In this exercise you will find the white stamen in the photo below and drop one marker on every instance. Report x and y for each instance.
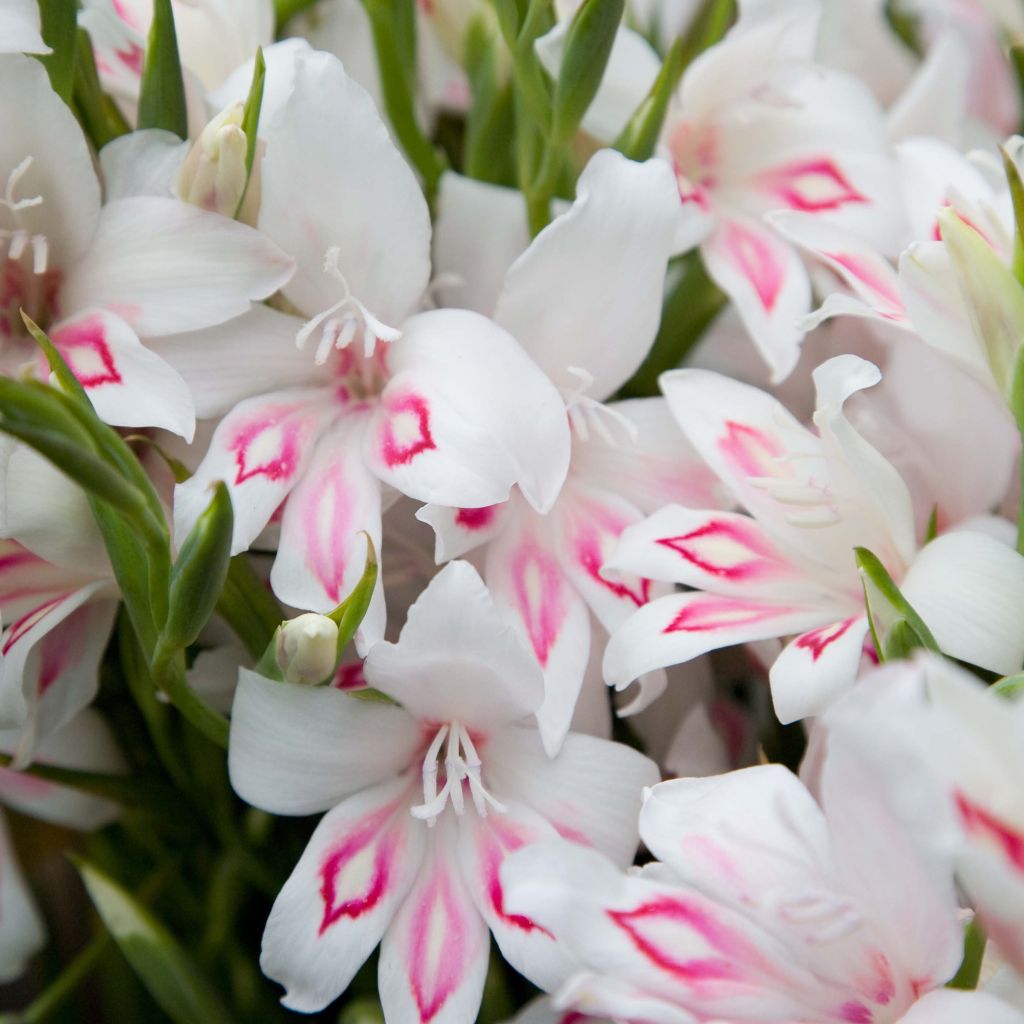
(19, 239)
(461, 764)
(40, 254)
(15, 205)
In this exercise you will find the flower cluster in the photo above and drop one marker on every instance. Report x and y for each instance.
(453, 419)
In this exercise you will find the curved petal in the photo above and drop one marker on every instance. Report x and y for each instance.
(20, 28)
(22, 932)
(300, 749)
(343, 895)
(466, 415)
(969, 589)
(332, 178)
(587, 293)
(322, 552)
(142, 163)
(816, 668)
(525, 575)
(260, 450)
(949, 1006)
(165, 267)
(128, 385)
(562, 789)
(458, 658)
(433, 959)
(766, 280)
(458, 530)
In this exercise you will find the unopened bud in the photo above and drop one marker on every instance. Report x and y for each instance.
(307, 648)
(213, 175)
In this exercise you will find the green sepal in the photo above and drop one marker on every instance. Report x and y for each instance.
(969, 971)
(640, 136)
(248, 607)
(285, 10)
(59, 20)
(490, 121)
(588, 44)
(97, 112)
(251, 120)
(353, 609)
(162, 92)
(1013, 179)
(68, 382)
(159, 961)
(1009, 687)
(199, 572)
(896, 628)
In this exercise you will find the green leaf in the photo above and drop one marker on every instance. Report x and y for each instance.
(896, 627)
(163, 966)
(97, 112)
(352, 610)
(1013, 179)
(162, 93)
(490, 122)
(248, 607)
(60, 28)
(199, 571)
(251, 120)
(58, 367)
(588, 44)
(1009, 687)
(969, 971)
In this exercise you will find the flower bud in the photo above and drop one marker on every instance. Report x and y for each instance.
(307, 648)
(213, 175)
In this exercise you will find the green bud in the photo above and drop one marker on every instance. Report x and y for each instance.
(162, 92)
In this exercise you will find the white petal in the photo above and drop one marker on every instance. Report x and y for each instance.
(22, 932)
(322, 551)
(934, 104)
(167, 267)
(20, 28)
(969, 589)
(472, 274)
(766, 280)
(343, 895)
(142, 163)
(678, 627)
(467, 414)
(433, 959)
(587, 293)
(332, 177)
(299, 749)
(260, 450)
(948, 1006)
(128, 385)
(458, 530)
(565, 789)
(458, 657)
(817, 667)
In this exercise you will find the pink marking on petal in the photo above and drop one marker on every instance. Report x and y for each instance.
(399, 453)
(812, 186)
(642, 924)
(855, 1013)
(593, 533)
(818, 639)
(132, 58)
(538, 583)
(54, 651)
(980, 823)
(476, 518)
(756, 260)
(861, 268)
(689, 546)
(17, 559)
(283, 462)
(750, 450)
(349, 677)
(84, 347)
(436, 974)
(720, 613)
(21, 626)
(327, 523)
(502, 839)
(361, 835)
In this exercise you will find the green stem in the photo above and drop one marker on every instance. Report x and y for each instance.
(168, 670)
(284, 10)
(248, 607)
(969, 972)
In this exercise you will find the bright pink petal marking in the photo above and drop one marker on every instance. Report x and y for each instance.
(812, 186)
(750, 450)
(476, 518)
(399, 453)
(362, 834)
(21, 626)
(689, 546)
(131, 58)
(855, 1013)
(54, 652)
(84, 347)
(594, 532)
(327, 521)
(719, 613)
(538, 583)
(436, 973)
(979, 822)
(349, 677)
(645, 926)
(283, 462)
(869, 276)
(818, 639)
(756, 261)
(501, 839)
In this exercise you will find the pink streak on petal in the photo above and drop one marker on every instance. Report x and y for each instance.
(818, 639)
(980, 823)
(734, 949)
(863, 271)
(855, 1013)
(707, 616)
(327, 523)
(349, 677)
(594, 529)
(756, 260)
(21, 626)
(361, 835)
(750, 450)
(397, 453)
(284, 462)
(131, 58)
(436, 978)
(88, 336)
(543, 612)
(476, 518)
(498, 840)
(813, 186)
(689, 547)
